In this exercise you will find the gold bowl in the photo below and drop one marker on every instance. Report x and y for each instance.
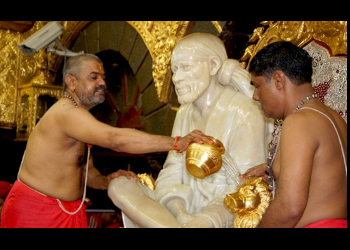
(204, 159)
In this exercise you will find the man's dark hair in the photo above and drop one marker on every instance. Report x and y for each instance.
(295, 62)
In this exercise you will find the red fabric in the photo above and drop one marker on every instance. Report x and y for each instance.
(5, 188)
(329, 223)
(26, 208)
(94, 220)
(115, 225)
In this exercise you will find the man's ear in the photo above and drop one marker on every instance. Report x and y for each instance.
(278, 78)
(70, 81)
(215, 65)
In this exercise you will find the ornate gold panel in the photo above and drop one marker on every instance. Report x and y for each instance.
(8, 77)
(332, 33)
(30, 109)
(160, 38)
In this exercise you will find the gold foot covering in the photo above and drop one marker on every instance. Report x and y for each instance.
(249, 203)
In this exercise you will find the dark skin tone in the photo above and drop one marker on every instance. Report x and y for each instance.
(309, 166)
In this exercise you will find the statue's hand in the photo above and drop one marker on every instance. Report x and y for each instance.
(183, 218)
(199, 222)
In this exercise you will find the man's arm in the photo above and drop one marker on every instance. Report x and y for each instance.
(293, 168)
(81, 125)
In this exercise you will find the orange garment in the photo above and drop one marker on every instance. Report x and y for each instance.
(26, 208)
(329, 223)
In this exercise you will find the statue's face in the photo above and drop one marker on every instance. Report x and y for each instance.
(191, 73)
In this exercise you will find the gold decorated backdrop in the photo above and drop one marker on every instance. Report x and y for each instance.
(9, 74)
(28, 78)
(332, 33)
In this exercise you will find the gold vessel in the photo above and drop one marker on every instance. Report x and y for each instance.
(204, 159)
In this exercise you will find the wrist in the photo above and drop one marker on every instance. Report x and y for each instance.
(176, 207)
(175, 144)
(104, 183)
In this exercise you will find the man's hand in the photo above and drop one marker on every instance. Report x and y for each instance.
(257, 171)
(194, 136)
(120, 172)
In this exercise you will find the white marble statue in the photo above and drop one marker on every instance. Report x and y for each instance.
(216, 97)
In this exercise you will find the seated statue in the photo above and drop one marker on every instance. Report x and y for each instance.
(216, 97)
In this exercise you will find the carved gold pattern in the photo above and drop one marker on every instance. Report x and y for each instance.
(33, 91)
(249, 203)
(147, 180)
(332, 33)
(8, 77)
(160, 38)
